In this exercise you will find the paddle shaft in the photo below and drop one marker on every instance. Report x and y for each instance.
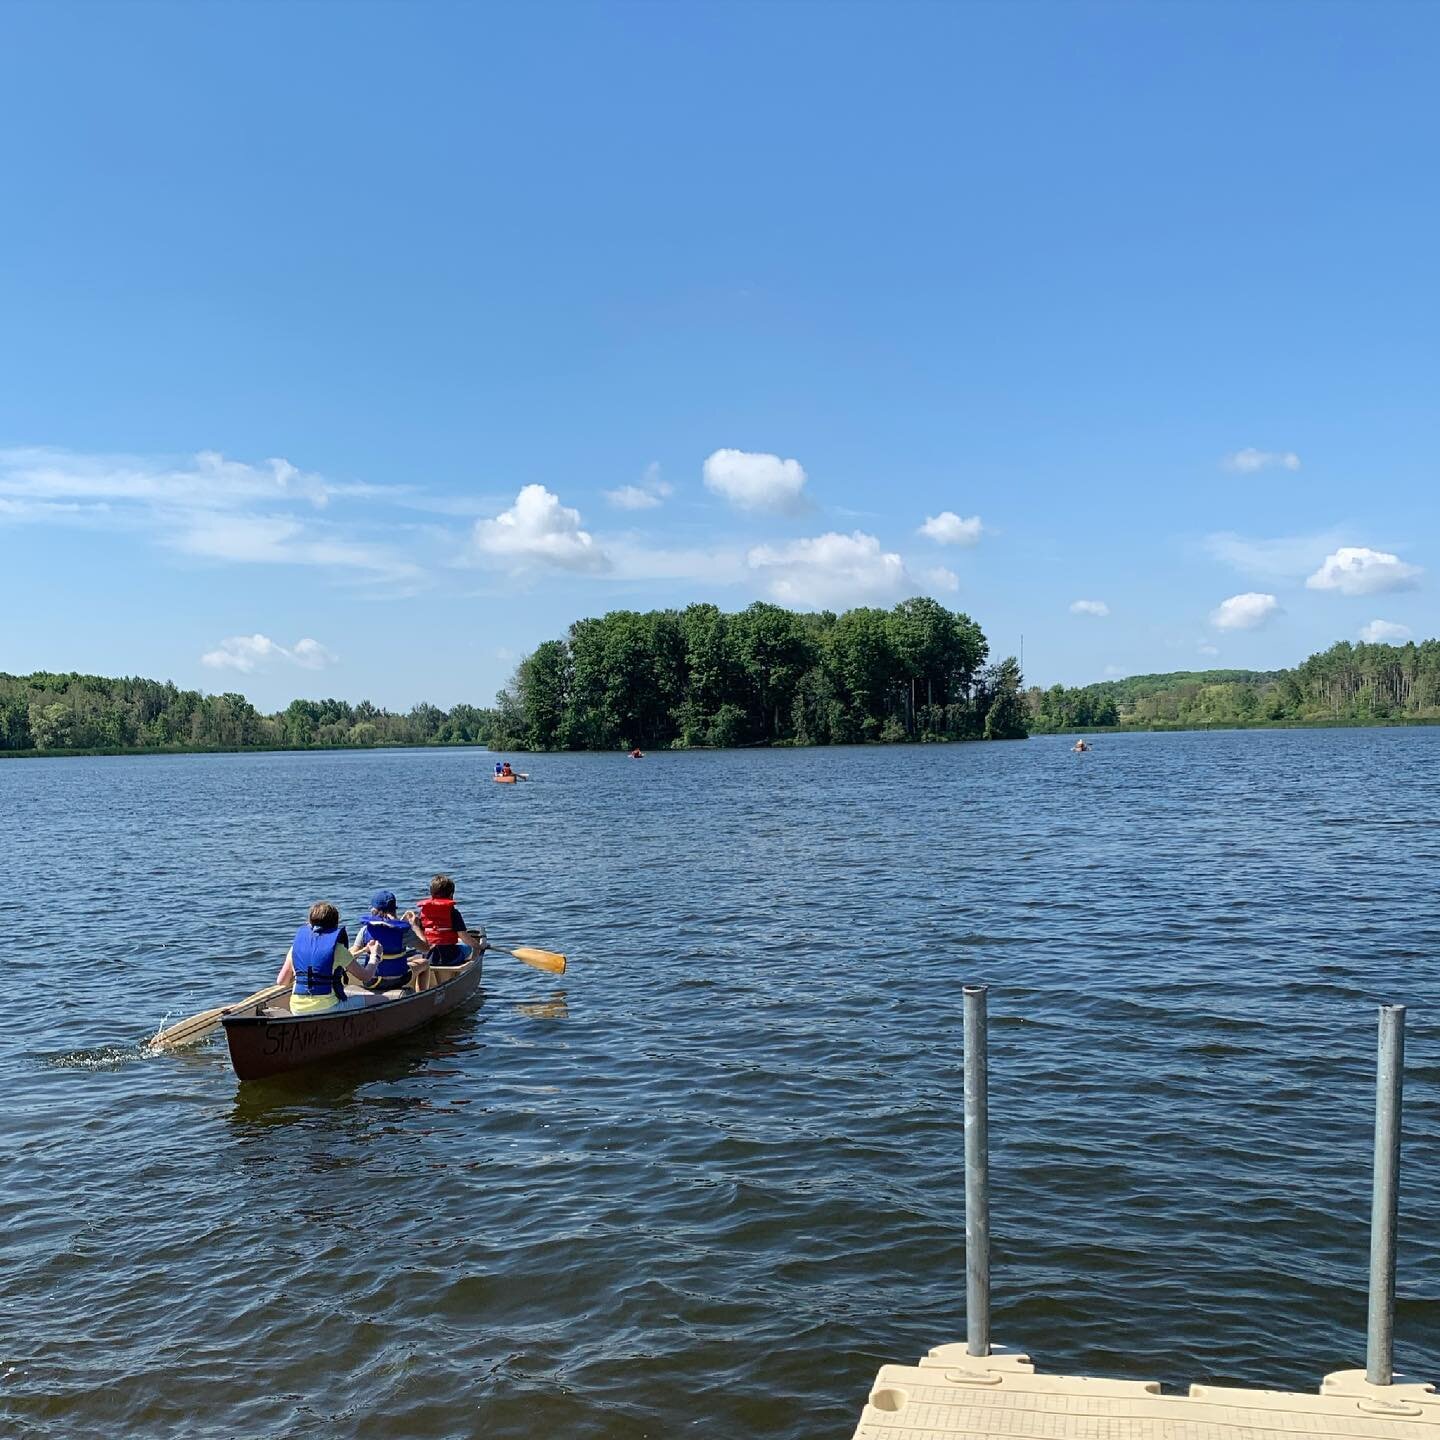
(185, 1032)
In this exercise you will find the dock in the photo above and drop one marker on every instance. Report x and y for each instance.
(979, 1391)
(1001, 1396)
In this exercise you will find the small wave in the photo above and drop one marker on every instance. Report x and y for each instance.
(101, 1057)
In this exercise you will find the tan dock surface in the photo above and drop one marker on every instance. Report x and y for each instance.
(1000, 1397)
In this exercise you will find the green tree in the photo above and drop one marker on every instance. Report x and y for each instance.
(1005, 715)
(542, 691)
(774, 651)
(14, 723)
(50, 725)
(867, 670)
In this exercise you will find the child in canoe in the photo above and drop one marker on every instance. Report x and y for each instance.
(444, 928)
(387, 937)
(318, 959)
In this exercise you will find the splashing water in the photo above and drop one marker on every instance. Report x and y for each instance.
(101, 1057)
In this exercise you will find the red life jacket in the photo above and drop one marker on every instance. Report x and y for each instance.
(435, 920)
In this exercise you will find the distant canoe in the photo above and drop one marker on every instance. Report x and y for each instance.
(504, 779)
(269, 1040)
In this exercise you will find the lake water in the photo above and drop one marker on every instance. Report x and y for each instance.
(711, 1179)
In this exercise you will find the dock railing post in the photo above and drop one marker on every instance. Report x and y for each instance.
(1384, 1207)
(977, 1175)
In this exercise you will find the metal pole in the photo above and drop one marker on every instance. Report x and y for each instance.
(1384, 1207)
(977, 1175)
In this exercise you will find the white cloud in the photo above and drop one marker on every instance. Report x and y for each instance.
(829, 569)
(1283, 558)
(1244, 612)
(939, 578)
(206, 481)
(756, 482)
(537, 527)
(1358, 570)
(1089, 607)
(947, 528)
(1380, 632)
(312, 655)
(1249, 460)
(205, 506)
(248, 653)
(249, 538)
(636, 559)
(632, 497)
(650, 492)
(283, 540)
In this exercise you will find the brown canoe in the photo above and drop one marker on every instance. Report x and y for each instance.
(269, 1040)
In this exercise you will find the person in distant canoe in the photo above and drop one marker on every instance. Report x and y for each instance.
(1080, 745)
(506, 770)
(318, 959)
(637, 754)
(445, 932)
(387, 938)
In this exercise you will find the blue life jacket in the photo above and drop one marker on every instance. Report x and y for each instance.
(392, 935)
(314, 954)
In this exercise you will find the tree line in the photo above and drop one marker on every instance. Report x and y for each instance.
(1346, 684)
(90, 712)
(762, 676)
(698, 676)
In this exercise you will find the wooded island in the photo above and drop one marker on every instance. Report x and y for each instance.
(764, 676)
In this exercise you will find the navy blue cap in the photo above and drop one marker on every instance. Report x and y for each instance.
(383, 900)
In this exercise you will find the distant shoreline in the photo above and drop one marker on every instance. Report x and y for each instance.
(1155, 727)
(1179, 726)
(33, 754)
(121, 750)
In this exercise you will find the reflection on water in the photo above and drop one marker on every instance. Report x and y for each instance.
(365, 1081)
(715, 1179)
(554, 1008)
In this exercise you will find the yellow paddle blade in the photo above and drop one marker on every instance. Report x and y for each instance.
(550, 961)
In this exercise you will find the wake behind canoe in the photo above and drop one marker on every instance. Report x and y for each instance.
(268, 1040)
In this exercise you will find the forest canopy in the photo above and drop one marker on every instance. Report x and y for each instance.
(763, 676)
(89, 712)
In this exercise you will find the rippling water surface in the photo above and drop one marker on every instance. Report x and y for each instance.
(712, 1178)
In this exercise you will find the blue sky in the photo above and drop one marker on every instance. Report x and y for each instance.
(354, 349)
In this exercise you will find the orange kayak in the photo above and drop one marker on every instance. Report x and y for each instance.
(504, 779)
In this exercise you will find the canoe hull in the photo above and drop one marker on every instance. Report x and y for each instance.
(267, 1044)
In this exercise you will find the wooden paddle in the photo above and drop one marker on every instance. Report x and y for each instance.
(552, 962)
(187, 1032)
